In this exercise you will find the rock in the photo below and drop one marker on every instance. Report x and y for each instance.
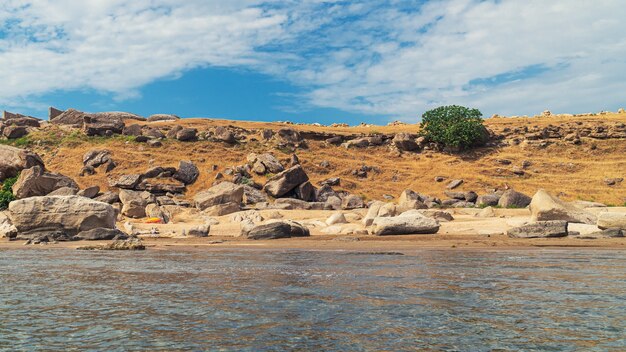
(405, 142)
(100, 125)
(487, 212)
(162, 117)
(64, 191)
(187, 172)
(352, 202)
(132, 130)
(294, 160)
(608, 233)
(440, 178)
(540, 229)
(265, 163)
(53, 112)
(117, 115)
(333, 181)
(336, 218)
(404, 225)
(544, 207)
(89, 192)
(267, 134)
(37, 182)
(372, 213)
(7, 230)
(225, 192)
(336, 140)
(134, 205)
(291, 203)
(222, 134)
(275, 230)
(488, 200)
(454, 184)
(101, 234)
(613, 181)
(96, 158)
(252, 195)
(154, 143)
(67, 214)
(199, 231)
(187, 135)
(70, 117)
(471, 196)
(222, 209)
(132, 244)
(607, 220)
(306, 192)
(127, 181)
(333, 202)
(284, 182)
(13, 160)
(290, 136)
(152, 133)
(108, 197)
(410, 200)
(325, 192)
(455, 195)
(14, 132)
(513, 199)
(438, 215)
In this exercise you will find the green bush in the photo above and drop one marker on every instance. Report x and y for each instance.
(6, 193)
(454, 127)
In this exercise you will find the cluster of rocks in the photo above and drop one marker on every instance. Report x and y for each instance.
(13, 126)
(568, 132)
(552, 217)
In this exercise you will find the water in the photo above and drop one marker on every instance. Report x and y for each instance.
(245, 300)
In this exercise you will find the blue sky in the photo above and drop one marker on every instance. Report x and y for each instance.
(312, 60)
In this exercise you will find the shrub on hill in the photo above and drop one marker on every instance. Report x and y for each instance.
(454, 127)
(6, 193)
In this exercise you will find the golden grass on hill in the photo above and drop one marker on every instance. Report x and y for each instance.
(570, 171)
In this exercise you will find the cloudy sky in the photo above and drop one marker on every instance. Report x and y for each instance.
(312, 60)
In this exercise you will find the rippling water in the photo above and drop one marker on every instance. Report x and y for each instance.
(68, 300)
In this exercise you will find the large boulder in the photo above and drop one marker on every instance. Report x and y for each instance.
(306, 192)
(540, 229)
(275, 230)
(67, 214)
(13, 160)
(37, 182)
(487, 200)
(187, 135)
(225, 192)
(545, 207)
(352, 202)
(102, 125)
(223, 134)
(14, 132)
(133, 204)
(607, 220)
(284, 182)
(514, 199)
(187, 172)
(407, 223)
(70, 117)
(410, 200)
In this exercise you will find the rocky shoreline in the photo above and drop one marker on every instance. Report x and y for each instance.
(51, 207)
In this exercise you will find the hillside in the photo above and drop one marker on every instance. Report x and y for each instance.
(570, 156)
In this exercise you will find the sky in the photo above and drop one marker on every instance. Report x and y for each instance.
(312, 60)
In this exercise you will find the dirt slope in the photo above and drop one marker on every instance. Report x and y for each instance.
(573, 171)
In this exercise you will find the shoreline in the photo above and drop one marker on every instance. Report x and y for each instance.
(349, 243)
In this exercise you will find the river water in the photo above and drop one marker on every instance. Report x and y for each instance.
(254, 300)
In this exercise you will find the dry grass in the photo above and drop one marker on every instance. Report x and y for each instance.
(573, 172)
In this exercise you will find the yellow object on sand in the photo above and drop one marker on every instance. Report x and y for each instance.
(153, 221)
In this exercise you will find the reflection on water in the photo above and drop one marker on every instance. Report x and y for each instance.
(69, 300)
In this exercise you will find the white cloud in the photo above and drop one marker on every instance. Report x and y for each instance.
(374, 57)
